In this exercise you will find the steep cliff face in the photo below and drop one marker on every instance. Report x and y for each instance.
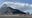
(18, 12)
(14, 11)
(9, 10)
(4, 8)
(11, 5)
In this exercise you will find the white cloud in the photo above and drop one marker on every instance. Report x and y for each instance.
(26, 4)
(17, 5)
(31, 5)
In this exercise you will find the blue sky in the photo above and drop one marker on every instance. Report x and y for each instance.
(23, 1)
(1, 1)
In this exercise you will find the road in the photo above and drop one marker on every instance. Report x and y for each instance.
(15, 16)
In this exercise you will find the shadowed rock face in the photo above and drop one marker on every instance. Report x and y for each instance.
(18, 12)
(14, 11)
